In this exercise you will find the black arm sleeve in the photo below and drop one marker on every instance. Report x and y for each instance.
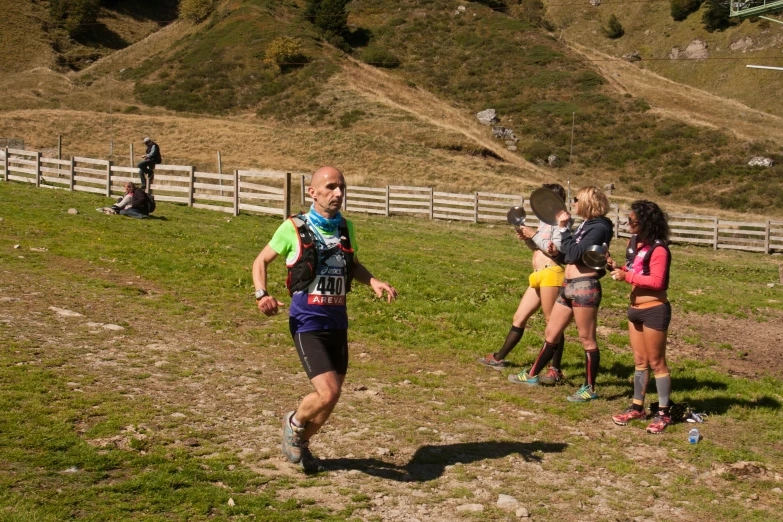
(594, 234)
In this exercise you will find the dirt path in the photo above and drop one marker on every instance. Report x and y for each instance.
(393, 442)
(684, 103)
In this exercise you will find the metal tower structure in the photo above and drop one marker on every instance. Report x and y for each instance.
(746, 8)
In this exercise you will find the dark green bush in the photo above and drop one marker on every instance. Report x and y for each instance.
(329, 16)
(680, 9)
(75, 16)
(716, 16)
(614, 29)
(537, 151)
(379, 57)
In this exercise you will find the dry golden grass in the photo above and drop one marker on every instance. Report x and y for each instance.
(649, 29)
(22, 42)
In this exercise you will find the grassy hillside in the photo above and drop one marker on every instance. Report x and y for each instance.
(449, 64)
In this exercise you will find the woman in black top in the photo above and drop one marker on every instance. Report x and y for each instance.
(580, 295)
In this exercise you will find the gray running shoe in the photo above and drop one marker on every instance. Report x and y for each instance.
(309, 463)
(490, 361)
(292, 439)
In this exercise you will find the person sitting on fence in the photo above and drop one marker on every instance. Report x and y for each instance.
(147, 165)
(135, 203)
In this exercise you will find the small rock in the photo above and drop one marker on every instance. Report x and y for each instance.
(2, 219)
(644, 484)
(632, 57)
(383, 452)
(73, 211)
(761, 161)
(62, 312)
(595, 3)
(439, 373)
(754, 496)
(72, 469)
(461, 9)
(512, 148)
(113, 327)
(267, 413)
(504, 133)
(777, 490)
(231, 467)
(488, 117)
(191, 442)
(522, 513)
(178, 415)
(473, 508)
(507, 502)
(17, 247)
(231, 502)
(770, 285)
(406, 382)
(552, 160)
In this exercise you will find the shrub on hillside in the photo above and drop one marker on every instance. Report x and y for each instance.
(196, 10)
(680, 9)
(74, 15)
(329, 16)
(614, 29)
(716, 16)
(537, 152)
(284, 52)
(379, 57)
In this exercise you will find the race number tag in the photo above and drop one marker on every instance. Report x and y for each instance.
(328, 287)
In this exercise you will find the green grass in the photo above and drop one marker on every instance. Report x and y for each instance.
(459, 286)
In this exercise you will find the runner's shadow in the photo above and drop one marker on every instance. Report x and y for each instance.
(429, 462)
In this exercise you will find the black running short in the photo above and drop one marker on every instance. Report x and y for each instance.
(655, 317)
(322, 351)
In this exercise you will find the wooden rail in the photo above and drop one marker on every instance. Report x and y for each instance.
(269, 192)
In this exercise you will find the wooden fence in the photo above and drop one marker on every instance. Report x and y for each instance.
(270, 192)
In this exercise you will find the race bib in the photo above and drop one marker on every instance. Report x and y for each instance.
(328, 287)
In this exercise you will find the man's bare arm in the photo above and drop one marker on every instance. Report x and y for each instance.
(362, 275)
(268, 304)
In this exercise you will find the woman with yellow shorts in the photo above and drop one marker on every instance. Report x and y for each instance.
(545, 283)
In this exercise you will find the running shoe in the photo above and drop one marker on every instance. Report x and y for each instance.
(659, 423)
(552, 376)
(523, 378)
(309, 463)
(292, 439)
(628, 415)
(583, 394)
(490, 361)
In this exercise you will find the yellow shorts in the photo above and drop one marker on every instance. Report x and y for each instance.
(552, 275)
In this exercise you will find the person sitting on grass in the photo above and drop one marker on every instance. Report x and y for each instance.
(135, 203)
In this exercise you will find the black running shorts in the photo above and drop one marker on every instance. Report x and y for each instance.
(655, 317)
(323, 351)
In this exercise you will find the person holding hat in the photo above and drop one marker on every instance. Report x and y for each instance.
(147, 165)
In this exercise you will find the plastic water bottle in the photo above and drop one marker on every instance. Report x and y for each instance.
(693, 436)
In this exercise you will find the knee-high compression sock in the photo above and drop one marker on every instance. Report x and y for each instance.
(557, 357)
(544, 356)
(640, 378)
(592, 361)
(664, 384)
(512, 339)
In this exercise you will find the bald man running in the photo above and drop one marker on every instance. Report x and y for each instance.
(320, 251)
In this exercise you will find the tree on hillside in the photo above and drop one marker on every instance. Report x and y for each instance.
(196, 10)
(496, 5)
(680, 9)
(614, 29)
(74, 15)
(329, 16)
(716, 16)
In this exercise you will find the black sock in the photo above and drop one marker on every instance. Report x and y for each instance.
(592, 361)
(637, 407)
(512, 339)
(544, 356)
(558, 355)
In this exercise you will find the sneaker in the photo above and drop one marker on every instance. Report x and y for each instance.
(292, 439)
(628, 415)
(659, 423)
(583, 394)
(523, 378)
(309, 463)
(552, 376)
(490, 361)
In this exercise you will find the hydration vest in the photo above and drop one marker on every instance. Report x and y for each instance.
(633, 251)
(302, 271)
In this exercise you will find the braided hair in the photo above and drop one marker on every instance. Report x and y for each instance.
(653, 222)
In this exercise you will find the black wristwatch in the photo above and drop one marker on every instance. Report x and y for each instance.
(260, 294)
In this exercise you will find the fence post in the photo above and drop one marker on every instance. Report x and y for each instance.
(108, 179)
(715, 234)
(287, 196)
(236, 192)
(345, 199)
(617, 222)
(432, 204)
(302, 188)
(59, 146)
(387, 200)
(131, 155)
(38, 169)
(5, 165)
(475, 207)
(191, 181)
(220, 171)
(72, 167)
(766, 237)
